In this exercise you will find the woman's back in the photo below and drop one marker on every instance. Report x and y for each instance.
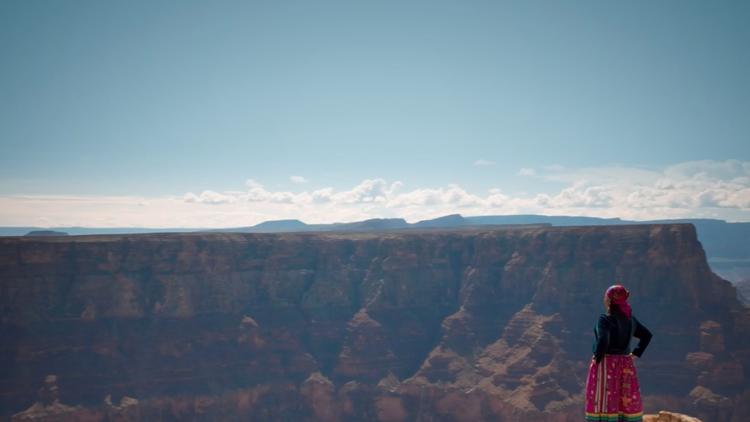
(612, 388)
(613, 333)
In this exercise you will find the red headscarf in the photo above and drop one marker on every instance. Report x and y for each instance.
(618, 298)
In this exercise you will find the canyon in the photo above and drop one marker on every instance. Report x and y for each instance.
(478, 324)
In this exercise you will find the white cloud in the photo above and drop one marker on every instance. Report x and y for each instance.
(483, 163)
(251, 183)
(715, 189)
(370, 190)
(682, 189)
(524, 171)
(210, 197)
(297, 179)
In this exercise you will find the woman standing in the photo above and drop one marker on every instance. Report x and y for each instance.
(612, 391)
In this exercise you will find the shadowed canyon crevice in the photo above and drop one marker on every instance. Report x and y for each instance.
(465, 325)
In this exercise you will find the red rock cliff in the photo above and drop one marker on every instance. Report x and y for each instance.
(435, 325)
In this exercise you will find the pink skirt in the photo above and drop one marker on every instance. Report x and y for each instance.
(612, 391)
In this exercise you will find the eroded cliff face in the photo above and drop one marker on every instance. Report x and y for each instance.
(402, 326)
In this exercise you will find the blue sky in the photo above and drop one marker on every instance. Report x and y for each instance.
(199, 103)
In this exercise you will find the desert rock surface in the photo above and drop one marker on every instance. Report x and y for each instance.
(472, 325)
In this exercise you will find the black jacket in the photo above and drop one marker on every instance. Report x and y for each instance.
(613, 333)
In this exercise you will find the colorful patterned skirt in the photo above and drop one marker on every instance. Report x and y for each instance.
(612, 391)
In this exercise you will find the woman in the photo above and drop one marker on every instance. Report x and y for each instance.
(612, 391)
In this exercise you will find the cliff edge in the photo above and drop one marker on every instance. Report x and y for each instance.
(485, 324)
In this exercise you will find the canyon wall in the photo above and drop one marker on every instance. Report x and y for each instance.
(463, 325)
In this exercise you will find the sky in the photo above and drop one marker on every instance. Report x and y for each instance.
(229, 113)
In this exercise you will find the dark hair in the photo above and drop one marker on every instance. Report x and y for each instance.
(614, 310)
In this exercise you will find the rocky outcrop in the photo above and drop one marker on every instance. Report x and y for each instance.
(48, 407)
(743, 291)
(482, 324)
(669, 417)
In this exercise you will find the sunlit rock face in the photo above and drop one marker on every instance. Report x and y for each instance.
(664, 416)
(463, 325)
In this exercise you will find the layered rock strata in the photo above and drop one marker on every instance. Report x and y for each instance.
(492, 324)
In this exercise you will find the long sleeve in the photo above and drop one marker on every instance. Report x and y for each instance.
(643, 335)
(602, 338)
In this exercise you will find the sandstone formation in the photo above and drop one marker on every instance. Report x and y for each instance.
(471, 325)
(669, 417)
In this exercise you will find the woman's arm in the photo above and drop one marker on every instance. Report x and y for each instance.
(644, 337)
(602, 338)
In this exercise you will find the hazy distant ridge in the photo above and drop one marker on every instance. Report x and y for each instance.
(725, 243)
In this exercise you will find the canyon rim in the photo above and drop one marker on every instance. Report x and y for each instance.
(472, 324)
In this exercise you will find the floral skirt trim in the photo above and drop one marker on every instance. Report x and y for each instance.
(612, 391)
(614, 417)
